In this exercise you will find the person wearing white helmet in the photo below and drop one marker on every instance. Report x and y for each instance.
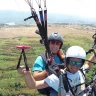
(75, 59)
(75, 53)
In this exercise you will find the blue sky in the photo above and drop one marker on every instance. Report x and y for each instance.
(86, 8)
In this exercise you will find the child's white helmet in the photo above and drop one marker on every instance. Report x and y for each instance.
(76, 52)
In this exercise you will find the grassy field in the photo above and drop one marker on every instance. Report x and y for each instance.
(11, 83)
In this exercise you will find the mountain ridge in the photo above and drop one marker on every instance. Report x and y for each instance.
(18, 17)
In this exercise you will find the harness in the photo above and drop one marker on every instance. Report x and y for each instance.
(51, 66)
(67, 85)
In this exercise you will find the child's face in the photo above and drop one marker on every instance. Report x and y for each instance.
(74, 64)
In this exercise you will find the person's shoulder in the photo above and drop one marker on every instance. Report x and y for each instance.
(43, 53)
(43, 56)
(83, 67)
(39, 57)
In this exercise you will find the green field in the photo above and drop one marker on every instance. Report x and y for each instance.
(11, 83)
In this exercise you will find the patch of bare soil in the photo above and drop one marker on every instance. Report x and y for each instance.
(11, 32)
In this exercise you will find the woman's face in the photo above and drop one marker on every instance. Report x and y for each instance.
(74, 64)
(54, 46)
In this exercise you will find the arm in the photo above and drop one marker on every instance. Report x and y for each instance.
(39, 72)
(39, 75)
(30, 81)
(89, 64)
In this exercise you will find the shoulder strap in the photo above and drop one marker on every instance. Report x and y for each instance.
(43, 55)
(69, 85)
(65, 83)
(51, 67)
(82, 73)
(60, 55)
(81, 70)
(81, 83)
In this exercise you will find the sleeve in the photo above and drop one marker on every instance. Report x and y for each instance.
(52, 81)
(38, 64)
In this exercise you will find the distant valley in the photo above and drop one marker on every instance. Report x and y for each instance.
(16, 17)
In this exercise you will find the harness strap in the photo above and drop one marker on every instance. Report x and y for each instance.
(65, 83)
(77, 86)
(82, 73)
(69, 85)
(81, 83)
(52, 66)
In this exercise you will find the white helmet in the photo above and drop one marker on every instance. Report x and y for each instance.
(76, 52)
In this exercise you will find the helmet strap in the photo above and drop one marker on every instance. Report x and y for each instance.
(67, 69)
(67, 63)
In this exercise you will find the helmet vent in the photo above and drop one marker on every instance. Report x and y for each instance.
(55, 35)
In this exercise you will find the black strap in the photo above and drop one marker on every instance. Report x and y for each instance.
(51, 67)
(76, 85)
(65, 83)
(82, 73)
(94, 89)
(61, 66)
(68, 84)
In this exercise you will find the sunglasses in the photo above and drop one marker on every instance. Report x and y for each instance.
(55, 42)
(78, 64)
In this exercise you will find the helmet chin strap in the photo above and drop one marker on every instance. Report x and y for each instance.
(67, 68)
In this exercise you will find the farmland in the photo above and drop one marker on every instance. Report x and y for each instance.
(12, 83)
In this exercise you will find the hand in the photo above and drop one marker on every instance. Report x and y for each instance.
(22, 70)
(62, 70)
